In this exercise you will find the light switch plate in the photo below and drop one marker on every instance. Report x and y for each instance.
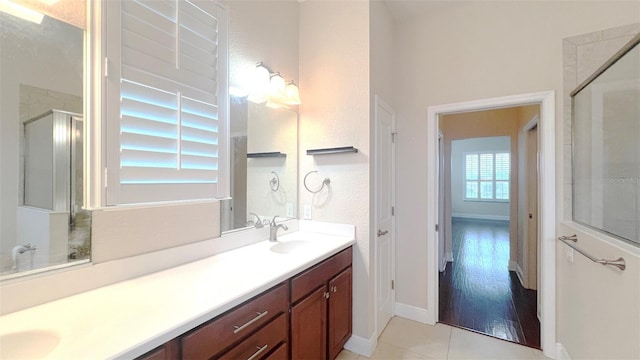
(289, 210)
(307, 212)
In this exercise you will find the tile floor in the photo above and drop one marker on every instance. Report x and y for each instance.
(407, 339)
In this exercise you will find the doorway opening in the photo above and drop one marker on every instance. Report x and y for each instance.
(545, 254)
(479, 288)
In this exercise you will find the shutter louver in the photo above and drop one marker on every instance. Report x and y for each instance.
(171, 84)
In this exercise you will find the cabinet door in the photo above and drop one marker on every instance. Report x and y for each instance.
(168, 351)
(309, 327)
(340, 296)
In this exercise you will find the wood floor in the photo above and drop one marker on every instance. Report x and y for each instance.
(478, 292)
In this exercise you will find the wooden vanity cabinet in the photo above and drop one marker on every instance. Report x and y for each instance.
(306, 317)
(321, 311)
(168, 351)
(257, 327)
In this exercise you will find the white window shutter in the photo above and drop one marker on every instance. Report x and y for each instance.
(167, 101)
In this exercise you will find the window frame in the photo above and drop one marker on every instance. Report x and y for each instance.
(479, 181)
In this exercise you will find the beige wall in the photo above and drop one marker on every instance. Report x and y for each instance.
(334, 83)
(466, 51)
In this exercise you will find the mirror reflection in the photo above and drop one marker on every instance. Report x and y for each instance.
(41, 184)
(264, 160)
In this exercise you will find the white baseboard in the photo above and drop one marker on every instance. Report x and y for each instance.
(414, 313)
(512, 265)
(362, 346)
(561, 352)
(449, 256)
(443, 264)
(520, 274)
(480, 216)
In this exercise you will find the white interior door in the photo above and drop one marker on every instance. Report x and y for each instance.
(531, 271)
(442, 229)
(384, 202)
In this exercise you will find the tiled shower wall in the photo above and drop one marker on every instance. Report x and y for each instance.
(582, 56)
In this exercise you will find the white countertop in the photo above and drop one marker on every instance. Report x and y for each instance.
(127, 319)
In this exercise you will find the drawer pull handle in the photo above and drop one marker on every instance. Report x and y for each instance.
(242, 327)
(260, 350)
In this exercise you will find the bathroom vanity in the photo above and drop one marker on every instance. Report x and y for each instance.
(288, 299)
(307, 316)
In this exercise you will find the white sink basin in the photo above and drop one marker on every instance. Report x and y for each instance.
(290, 246)
(30, 344)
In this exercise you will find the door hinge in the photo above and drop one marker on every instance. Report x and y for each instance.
(393, 211)
(106, 67)
(437, 227)
(393, 136)
(393, 285)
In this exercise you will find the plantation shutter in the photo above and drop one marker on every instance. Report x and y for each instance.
(167, 100)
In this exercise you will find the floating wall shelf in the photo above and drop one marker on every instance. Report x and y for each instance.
(266, 155)
(336, 150)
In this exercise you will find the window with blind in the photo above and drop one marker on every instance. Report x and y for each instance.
(487, 176)
(167, 100)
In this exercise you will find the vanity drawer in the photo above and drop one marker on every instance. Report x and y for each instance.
(211, 338)
(318, 275)
(279, 354)
(258, 345)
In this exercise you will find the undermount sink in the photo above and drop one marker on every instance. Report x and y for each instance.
(290, 246)
(30, 344)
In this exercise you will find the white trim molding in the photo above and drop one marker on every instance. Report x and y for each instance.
(362, 346)
(480, 216)
(561, 352)
(520, 274)
(414, 313)
(547, 206)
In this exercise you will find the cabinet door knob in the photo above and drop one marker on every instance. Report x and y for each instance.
(335, 289)
(326, 295)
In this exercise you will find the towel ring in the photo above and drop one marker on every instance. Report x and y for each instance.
(326, 181)
(274, 183)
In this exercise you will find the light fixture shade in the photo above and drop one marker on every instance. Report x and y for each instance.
(277, 89)
(292, 96)
(273, 104)
(20, 11)
(261, 84)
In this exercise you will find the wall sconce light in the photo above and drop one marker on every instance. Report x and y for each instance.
(20, 11)
(292, 94)
(270, 87)
(261, 84)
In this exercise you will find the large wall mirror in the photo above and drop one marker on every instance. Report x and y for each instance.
(42, 221)
(264, 170)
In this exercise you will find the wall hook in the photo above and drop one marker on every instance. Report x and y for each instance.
(326, 181)
(274, 183)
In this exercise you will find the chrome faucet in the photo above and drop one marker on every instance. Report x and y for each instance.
(273, 229)
(258, 223)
